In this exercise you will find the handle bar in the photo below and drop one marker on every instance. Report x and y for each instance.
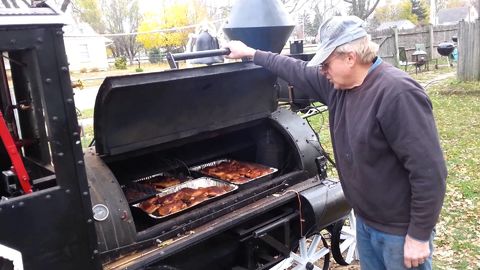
(172, 58)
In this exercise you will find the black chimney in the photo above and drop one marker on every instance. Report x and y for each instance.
(261, 24)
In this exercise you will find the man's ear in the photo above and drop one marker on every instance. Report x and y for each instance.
(351, 59)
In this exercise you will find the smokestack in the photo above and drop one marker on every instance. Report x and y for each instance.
(261, 24)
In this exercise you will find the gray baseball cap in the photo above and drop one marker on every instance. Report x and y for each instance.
(334, 32)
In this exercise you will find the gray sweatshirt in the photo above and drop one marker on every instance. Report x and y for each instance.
(385, 142)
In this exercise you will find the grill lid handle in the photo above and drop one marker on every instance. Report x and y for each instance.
(172, 58)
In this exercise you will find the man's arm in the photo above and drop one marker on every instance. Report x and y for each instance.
(409, 127)
(294, 71)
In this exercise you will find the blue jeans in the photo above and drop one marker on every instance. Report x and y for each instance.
(382, 251)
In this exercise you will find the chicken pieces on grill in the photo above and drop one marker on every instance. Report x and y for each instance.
(235, 171)
(184, 198)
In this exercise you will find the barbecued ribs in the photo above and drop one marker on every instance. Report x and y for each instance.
(177, 201)
(235, 171)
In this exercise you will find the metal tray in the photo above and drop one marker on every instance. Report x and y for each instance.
(217, 162)
(144, 191)
(194, 183)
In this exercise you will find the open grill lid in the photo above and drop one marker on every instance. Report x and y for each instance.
(138, 111)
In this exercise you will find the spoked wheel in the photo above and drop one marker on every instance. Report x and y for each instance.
(343, 242)
(310, 251)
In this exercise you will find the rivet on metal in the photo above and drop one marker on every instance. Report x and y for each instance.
(39, 40)
(13, 41)
(21, 204)
(80, 162)
(75, 133)
(64, 69)
(48, 80)
(67, 191)
(89, 220)
(85, 193)
(77, 142)
(48, 196)
(95, 251)
(69, 100)
(55, 118)
(60, 154)
(59, 33)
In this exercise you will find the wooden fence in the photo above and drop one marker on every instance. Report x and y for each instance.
(430, 36)
(469, 51)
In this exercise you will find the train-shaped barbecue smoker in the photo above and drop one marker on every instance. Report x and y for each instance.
(195, 168)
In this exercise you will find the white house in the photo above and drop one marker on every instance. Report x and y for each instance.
(401, 24)
(86, 50)
(454, 15)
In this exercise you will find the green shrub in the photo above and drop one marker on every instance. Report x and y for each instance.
(83, 70)
(154, 56)
(95, 69)
(121, 62)
(139, 70)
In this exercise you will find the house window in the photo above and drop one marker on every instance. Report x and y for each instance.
(84, 53)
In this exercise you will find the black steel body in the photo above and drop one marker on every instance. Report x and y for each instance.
(53, 226)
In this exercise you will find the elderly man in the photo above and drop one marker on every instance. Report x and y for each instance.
(384, 137)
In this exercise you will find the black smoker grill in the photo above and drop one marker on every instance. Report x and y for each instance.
(78, 216)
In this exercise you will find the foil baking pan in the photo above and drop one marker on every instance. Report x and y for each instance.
(201, 182)
(144, 188)
(267, 176)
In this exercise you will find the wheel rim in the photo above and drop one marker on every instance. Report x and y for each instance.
(309, 252)
(344, 244)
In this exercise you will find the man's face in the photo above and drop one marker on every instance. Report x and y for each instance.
(337, 69)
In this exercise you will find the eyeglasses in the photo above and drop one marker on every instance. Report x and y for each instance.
(325, 65)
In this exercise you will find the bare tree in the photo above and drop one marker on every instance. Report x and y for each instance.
(293, 6)
(362, 8)
(122, 16)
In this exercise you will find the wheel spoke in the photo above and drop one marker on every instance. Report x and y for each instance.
(351, 253)
(314, 245)
(303, 247)
(321, 253)
(298, 259)
(283, 264)
(346, 244)
(348, 231)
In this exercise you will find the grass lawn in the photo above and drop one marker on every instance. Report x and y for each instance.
(457, 112)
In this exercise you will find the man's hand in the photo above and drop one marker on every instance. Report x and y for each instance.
(415, 252)
(239, 50)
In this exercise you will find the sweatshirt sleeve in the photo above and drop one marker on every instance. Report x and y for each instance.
(409, 127)
(296, 73)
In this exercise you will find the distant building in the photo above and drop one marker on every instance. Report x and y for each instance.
(401, 24)
(86, 50)
(454, 15)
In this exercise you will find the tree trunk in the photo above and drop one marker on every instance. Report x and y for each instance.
(65, 5)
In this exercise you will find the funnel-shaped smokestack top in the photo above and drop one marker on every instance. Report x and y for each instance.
(261, 24)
